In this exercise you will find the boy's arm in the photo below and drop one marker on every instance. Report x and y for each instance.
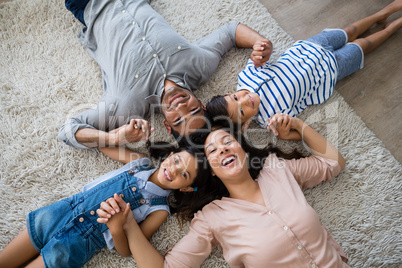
(248, 38)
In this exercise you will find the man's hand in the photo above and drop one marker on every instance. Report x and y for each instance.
(262, 50)
(134, 131)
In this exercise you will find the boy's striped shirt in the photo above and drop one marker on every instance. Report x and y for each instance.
(304, 75)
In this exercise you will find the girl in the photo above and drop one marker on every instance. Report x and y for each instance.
(258, 221)
(67, 234)
(304, 75)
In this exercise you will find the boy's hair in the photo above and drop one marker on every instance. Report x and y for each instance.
(217, 108)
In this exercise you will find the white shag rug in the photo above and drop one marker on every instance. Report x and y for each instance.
(46, 75)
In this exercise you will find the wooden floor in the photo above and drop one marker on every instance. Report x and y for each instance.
(373, 92)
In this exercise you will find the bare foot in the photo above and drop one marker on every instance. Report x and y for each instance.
(394, 26)
(388, 10)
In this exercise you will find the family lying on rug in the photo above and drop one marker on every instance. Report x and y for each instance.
(247, 201)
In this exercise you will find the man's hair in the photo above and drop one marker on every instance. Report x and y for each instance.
(196, 139)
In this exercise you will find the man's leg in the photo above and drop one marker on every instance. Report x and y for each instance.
(77, 7)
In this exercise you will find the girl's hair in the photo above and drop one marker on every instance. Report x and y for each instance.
(185, 204)
(217, 108)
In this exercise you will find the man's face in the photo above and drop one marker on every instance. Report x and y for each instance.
(182, 110)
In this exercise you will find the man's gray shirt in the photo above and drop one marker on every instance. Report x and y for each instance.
(137, 50)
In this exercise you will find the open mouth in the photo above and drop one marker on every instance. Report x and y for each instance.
(228, 161)
(176, 99)
(167, 175)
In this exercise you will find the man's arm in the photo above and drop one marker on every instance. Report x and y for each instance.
(134, 131)
(248, 38)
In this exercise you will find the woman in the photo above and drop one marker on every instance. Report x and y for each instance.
(261, 223)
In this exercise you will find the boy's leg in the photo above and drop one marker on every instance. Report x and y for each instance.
(373, 41)
(358, 28)
(18, 252)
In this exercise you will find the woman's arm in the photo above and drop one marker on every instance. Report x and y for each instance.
(317, 143)
(190, 251)
(110, 214)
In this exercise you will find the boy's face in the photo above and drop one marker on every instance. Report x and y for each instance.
(242, 105)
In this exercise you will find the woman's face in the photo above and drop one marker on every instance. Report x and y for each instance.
(225, 155)
(177, 171)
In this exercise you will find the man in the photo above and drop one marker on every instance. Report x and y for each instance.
(145, 64)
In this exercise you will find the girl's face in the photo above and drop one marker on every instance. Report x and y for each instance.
(225, 155)
(178, 171)
(242, 105)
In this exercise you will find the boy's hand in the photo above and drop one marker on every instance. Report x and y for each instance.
(282, 125)
(262, 51)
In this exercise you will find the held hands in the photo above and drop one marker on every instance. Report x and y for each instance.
(262, 50)
(115, 213)
(134, 131)
(285, 127)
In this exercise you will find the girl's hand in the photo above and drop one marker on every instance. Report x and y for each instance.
(262, 51)
(283, 126)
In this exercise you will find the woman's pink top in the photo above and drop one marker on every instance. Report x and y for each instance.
(286, 232)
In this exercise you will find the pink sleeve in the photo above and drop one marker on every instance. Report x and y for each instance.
(194, 247)
(312, 170)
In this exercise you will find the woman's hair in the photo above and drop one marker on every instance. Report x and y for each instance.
(185, 204)
(217, 108)
(213, 188)
(210, 188)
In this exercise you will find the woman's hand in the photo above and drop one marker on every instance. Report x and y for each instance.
(284, 127)
(109, 212)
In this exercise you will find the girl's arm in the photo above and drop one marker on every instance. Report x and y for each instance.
(121, 154)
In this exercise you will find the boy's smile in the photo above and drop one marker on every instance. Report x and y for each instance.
(242, 105)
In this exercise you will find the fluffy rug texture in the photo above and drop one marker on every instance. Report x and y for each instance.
(46, 76)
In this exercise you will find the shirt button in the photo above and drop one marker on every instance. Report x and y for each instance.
(154, 55)
(164, 75)
(121, 195)
(142, 201)
(92, 212)
(270, 212)
(313, 266)
(143, 39)
(299, 247)
(179, 47)
(133, 22)
(81, 219)
(131, 172)
(136, 76)
(134, 189)
(123, 11)
(285, 228)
